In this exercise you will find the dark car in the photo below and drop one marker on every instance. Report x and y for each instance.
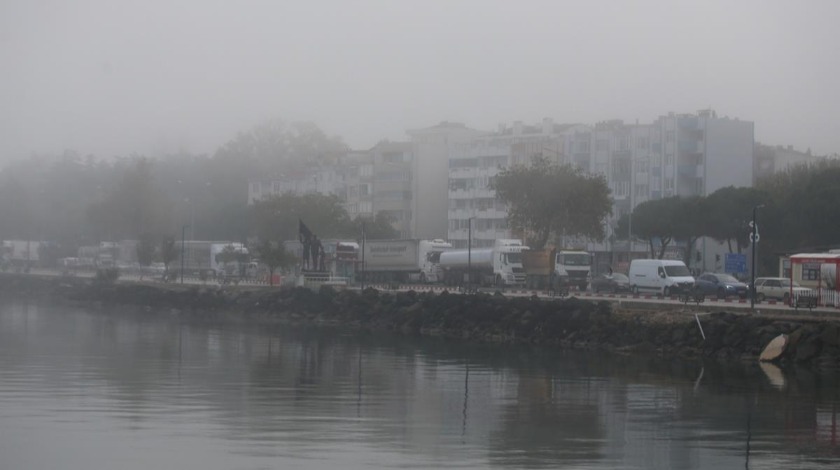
(606, 282)
(721, 285)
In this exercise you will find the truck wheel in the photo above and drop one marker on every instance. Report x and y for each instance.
(634, 290)
(759, 297)
(666, 292)
(498, 280)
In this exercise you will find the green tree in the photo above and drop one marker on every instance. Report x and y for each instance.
(277, 218)
(133, 207)
(379, 228)
(548, 199)
(653, 221)
(800, 211)
(690, 223)
(168, 253)
(274, 256)
(145, 250)
(729, 212)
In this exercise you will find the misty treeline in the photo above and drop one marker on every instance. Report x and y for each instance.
(797, 210)
(73, 200)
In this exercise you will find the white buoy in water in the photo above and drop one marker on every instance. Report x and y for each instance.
(774, 349)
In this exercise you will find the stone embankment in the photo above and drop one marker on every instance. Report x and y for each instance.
(570, 323)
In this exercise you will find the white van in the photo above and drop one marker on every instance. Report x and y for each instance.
(660, 276)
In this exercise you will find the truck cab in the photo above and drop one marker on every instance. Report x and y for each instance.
(507, 261)
(429, 259)
(574, 267)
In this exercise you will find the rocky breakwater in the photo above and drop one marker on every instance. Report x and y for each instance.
(569, 323)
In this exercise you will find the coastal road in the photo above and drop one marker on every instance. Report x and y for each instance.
(622, 300)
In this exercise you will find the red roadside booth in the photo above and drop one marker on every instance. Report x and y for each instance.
(815, 261)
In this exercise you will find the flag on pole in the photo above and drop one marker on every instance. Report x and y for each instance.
(303, 231)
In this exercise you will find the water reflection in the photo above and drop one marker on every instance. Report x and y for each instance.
(81, 389)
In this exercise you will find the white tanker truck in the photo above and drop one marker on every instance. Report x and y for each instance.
(500, 265)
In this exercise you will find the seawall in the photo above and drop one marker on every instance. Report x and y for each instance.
(567, 323)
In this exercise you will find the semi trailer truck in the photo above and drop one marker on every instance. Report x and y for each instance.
(403, 260)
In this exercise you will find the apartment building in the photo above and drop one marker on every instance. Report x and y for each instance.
(473, 165)
(430, 169)
(392, 184)
(770, 159)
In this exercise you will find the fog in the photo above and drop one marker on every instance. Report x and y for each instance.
(155, 77)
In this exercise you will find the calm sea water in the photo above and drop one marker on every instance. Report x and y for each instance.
(90, 389)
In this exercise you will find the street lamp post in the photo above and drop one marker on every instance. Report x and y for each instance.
(754, 237)
(364, 237)
(469, 254)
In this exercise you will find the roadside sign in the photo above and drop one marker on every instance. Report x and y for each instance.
(735, 263)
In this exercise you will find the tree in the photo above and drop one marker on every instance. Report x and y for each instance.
(277, 218)
(379, 228)
(133, 207)
(654, 220)
(168, 253)
(549, 199)
(280, 144)
(690, 222)
(729, 212)
(145, 252)
(274, 256)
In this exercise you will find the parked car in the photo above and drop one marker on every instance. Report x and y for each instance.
(721, 285)
(606, 282)
(778, 288)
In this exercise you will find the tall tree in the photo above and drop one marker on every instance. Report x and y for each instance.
(277, 218)
(379, 228)
(690, 223)
(729, 211)
(548, 199)
(274, 256)
(168, 253)
(654, 221)
(134, 207)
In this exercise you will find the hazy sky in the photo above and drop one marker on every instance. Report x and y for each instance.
(113, 77)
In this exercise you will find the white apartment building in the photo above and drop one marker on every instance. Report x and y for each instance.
(474, 163)
(677, 154)
(430, 170)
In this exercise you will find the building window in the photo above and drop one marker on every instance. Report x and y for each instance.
(669, 184)
(810, 271)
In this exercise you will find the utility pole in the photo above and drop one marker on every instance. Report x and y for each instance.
(469, 254)
(754, 237)
(364, 236)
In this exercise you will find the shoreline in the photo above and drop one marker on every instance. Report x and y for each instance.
(572, 323)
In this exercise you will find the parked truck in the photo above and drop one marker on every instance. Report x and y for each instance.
(403, 260)
(499, 266)
(574, 267)
(539, 269)
(556, 269)
(211, 259)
